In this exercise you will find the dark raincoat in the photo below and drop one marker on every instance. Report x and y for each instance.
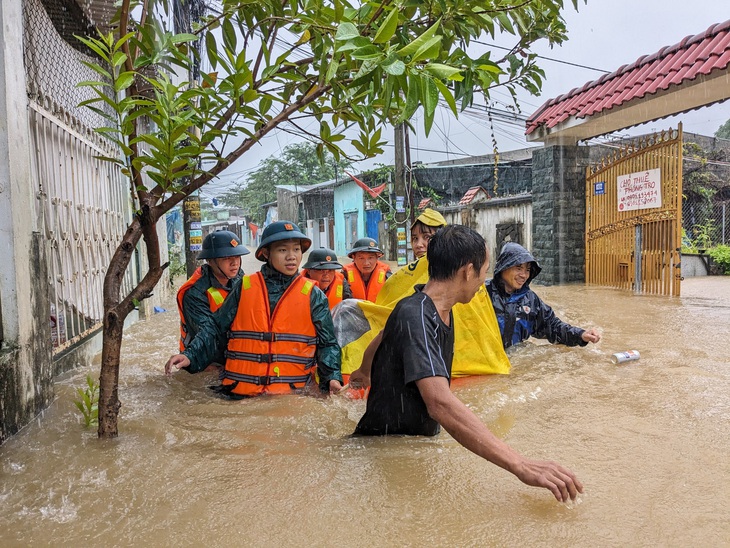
(214, 333)
(196, 307)
(522, 314)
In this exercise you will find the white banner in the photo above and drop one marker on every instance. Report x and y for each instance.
(641, 190)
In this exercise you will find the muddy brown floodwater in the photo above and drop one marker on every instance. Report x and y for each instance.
(649, 439)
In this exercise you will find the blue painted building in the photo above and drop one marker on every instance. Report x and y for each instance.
(355, 217)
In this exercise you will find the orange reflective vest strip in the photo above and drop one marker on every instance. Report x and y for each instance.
(335, 291)
(271, 353)
(370, 291)
(215, 295)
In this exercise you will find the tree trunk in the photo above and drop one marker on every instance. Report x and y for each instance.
(109, 403)
(116, 311)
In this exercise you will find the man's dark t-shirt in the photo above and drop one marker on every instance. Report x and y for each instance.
(416, 344)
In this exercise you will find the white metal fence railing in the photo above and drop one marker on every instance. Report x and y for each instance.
(83, 210)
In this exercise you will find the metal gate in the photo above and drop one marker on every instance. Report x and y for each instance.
(634, 216)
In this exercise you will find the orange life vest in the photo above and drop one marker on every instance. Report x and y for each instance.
(216, 297)
(335, 291)
(370, 291)
(271, 353)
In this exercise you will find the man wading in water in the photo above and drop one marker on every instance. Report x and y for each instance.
(411, 369)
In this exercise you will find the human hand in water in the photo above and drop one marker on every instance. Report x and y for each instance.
(359, 379)
(178, 361)
(335, 386)
(591, 335)
(560, 481)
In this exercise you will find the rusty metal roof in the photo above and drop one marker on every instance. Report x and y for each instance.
(695, 56)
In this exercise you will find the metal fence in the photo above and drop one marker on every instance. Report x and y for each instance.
(83, 204)
(705, 224)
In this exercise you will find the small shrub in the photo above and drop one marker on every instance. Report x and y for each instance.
(88, 402)
(721, 257)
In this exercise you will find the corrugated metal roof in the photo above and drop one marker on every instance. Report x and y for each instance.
(694, 56)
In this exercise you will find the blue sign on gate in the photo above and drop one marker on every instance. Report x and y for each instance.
(599, 188)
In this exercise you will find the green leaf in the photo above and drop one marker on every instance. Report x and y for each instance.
(368, 52)
(412, 97)
(125, 80)
(331, 70)
(183, 37)
(229, 35)
(429, 95)
(387, 29)
(446, 94)
(429, 49)
(395, 68)
(346, 31)
(119, 58)
(212, 47)
(442, 72)
(416, 45)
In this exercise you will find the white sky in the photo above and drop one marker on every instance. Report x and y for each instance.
(604, 34)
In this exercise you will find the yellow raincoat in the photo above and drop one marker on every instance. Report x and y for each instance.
(477, 342)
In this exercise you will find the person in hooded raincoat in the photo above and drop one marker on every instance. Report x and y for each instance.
(521, 314)
(275, 324)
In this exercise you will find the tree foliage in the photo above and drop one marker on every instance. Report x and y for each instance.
(723, 131)
(274, 66)
(298, 164)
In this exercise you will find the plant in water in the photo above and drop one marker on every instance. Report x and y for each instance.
(88, 401)
(721, 256)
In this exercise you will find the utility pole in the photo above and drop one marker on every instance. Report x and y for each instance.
(399, 187)
(184, 13)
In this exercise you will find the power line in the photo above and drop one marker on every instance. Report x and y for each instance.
(544, 57)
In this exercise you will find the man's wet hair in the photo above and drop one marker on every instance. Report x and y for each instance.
(451, 248)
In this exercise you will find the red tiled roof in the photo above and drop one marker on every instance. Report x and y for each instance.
(423, 204)
(471, 194)
(670, 66)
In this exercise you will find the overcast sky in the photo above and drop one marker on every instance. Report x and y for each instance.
(604, 34)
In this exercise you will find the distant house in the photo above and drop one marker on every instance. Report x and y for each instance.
(312, 208)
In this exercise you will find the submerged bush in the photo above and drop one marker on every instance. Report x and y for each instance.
(721, 257)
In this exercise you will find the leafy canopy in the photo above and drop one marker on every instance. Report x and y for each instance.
(274, 64)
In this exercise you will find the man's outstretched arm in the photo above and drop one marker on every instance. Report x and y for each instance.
(466, 428)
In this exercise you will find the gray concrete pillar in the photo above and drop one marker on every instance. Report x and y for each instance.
(558, 212)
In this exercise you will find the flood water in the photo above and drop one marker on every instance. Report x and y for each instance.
(649, 439)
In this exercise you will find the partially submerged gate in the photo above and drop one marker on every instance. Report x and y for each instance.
(634, 216)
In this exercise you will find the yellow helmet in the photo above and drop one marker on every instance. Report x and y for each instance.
(430, 217)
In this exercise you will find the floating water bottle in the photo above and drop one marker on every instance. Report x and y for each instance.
(628, 356)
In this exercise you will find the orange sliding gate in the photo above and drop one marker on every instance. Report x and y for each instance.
(634, 216)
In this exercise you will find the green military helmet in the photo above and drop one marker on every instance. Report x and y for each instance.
(222, 243)
(281, 230)
(365, 244)
(322, 259)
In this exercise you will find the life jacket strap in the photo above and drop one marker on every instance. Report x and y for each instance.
(272, 337)
(265, 380)
(270, 358)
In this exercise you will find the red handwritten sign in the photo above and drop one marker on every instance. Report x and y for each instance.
(641, 190)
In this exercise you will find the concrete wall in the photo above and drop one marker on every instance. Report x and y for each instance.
(26, 369)
(484, 218)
